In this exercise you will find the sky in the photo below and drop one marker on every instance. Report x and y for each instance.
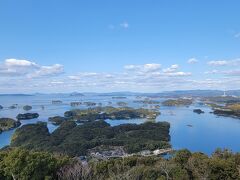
(120, 45)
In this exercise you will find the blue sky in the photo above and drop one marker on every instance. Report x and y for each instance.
(122, 45)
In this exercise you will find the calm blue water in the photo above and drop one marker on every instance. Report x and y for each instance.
(207, 133)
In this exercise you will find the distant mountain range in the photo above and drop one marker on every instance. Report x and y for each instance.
(16, 95)
(180, 93)
(198, 93)
(76, 94)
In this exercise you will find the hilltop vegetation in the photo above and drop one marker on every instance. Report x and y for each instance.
(28, 165)
(183, 165)
(77, 140)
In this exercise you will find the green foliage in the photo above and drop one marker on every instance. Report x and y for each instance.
(181, 157)
(223, 169)
(24, 164)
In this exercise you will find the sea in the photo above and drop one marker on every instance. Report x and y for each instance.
(197, 132)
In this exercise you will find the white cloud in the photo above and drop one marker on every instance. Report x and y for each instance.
(212, 72)
(233, 62)
(143, 68)
(57, 82)
(178, 74)
(217, 63)
(133, 77)
(151, 67)
(192, 61)
(232, 72)
(18, 68)
(53, 70)
(19, 63)
(171, 69)
(124, 25)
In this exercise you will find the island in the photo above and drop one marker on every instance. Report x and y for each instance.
(1, 107)
(221, 99)
(8, 124)
(56, 102)
(146, 101)
(177, 102)
(27, 116)
(119, 97)
(122, 103)
(27, 108)
(76, 140)
(90, 103)
(73, 104)
(14, 106)
(231, 110)
(198, 111)
(109, 112)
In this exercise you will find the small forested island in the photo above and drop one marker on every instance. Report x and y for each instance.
(122, 103)
(57, 120)
(119, 97)
(198, 111)
(177, 102)
(73, 104)
(110, 112)
(76, 140)
(14, 106)
(27, 108)
(90, 103)
(27, 116)
(8, 123)
(56, 102)
(1, 107)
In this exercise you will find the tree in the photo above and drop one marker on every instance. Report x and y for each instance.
(24, 164)
(181, 157)
(75, 170)
(166, 167)
(198, 163)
